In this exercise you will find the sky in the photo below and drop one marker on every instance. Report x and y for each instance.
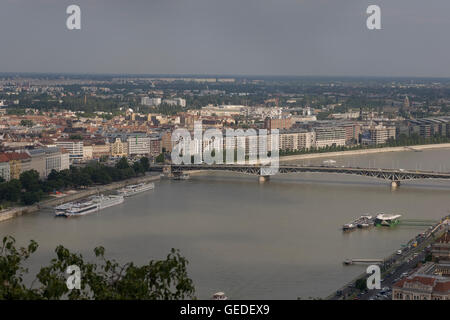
(229, 37)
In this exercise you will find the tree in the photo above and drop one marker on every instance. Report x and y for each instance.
(29, 198)
(30, 180)
(160, 158)
(26, 123)
(361, 284)
(122, 163)
(164, 279)
(145, 163)
(11, 190)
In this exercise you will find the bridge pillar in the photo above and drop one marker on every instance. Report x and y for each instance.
(395, 184)
(263, 179)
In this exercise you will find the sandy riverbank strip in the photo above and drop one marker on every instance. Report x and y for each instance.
(363, 151)
(18, 211)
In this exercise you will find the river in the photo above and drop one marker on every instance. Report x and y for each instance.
(276, 240)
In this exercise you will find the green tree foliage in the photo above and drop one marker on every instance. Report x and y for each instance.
(26, 123)
(122, 163)
(160, 158)
(30, 180)
(164, 279)
(361, 284)
(145, 163)
(10, 191)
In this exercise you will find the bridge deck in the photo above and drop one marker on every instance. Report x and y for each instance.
(387, 174)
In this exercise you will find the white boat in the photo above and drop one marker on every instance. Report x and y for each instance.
(107, 201)
(386, 219)
(329, 162)
(183, 176)
(87, 206)
(219, 296)
(131, 190)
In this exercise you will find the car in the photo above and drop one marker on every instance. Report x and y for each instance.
(399, 252)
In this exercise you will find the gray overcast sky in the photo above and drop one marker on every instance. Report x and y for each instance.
(270, 37)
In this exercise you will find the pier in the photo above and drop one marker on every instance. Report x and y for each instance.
(353, 261)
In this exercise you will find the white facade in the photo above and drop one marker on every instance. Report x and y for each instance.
(138, 145)
(75, 149)
(4, 171)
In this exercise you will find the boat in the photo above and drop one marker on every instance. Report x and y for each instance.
(365, 221)
(348, 226)
(89, 205)
(219, 296)
(385, 219)
(329, 162)
(133, 189)
(183, 176)
(107, 201)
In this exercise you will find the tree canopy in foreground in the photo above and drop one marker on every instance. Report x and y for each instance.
(158, 280)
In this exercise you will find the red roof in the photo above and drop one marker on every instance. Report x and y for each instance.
(3, 158)
(439, 286)
(17, 156)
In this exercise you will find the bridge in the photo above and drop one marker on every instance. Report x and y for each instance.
(395, 176)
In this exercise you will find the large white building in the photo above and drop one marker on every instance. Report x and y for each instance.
(138, 145)
(146, 101)
(329, 136)
(56, 159)
(291, 140)
(75, 149)
(175, 102)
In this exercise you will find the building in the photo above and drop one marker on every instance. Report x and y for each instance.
(292, 140)
(175, 102)
(381, 134)
(329, 136)
(166, 141)
(440, 250)
(101, 150)
(18, 163)
(119, 148)
(75, 149)
(155, 146)
(38, 157)
(4, 167)
(56, 159)
(138, 146)
(278, 123)
(146, 101)
(87, 152)
(429, 282)
(352, 132)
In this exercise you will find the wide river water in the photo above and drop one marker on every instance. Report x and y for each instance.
(276, 240)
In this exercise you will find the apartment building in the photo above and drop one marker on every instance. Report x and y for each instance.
(4, 167)
(38, 161)
(119, 148)
(18, 163)
(329, 136)
(381, 134)
(278, 123)
(56, 159)
(290, 140)
(75, 149)
(138, 145)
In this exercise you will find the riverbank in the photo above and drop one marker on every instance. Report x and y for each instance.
(18, 211)
(396, 263)
(363, 151)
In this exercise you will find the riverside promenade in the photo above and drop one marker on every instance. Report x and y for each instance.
(55, 201)
(363, 152)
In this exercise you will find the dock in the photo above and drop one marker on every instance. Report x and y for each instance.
(353, 261)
